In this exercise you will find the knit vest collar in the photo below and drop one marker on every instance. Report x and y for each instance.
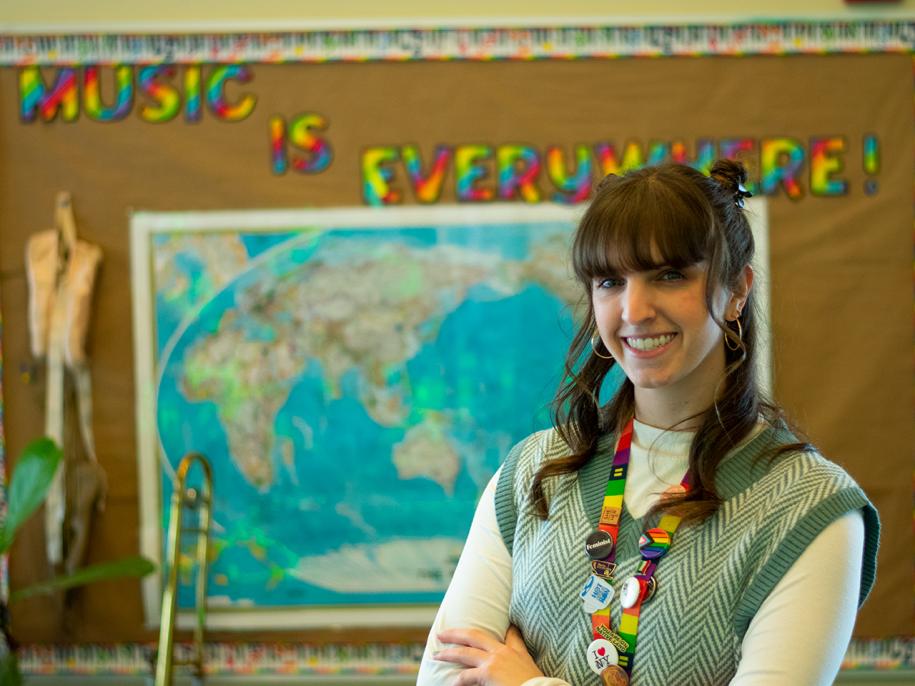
(738, 471)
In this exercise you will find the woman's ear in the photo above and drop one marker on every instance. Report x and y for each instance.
(740, 293)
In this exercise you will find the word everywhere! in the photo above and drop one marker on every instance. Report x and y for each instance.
(483, 173)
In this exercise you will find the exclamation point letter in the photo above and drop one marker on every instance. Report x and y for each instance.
(871, 163)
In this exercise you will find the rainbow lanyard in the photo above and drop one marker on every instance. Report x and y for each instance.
(653, 545)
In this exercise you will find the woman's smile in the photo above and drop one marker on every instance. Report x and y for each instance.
(646, 346)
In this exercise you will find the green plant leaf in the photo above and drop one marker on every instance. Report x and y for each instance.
(9, 670)
(128, 566)
(28, 486)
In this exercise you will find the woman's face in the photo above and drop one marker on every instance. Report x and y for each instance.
(658, 327)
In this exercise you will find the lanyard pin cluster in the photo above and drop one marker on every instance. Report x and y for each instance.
(610, 654)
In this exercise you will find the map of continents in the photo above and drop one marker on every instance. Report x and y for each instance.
(354, 389)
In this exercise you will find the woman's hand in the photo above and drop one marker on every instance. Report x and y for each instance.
(490, 662)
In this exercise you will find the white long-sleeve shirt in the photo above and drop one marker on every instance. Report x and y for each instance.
(806, 621)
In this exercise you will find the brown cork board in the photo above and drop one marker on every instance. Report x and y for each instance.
(840, 259)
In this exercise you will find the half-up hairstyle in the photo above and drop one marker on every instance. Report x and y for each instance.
(675, 212)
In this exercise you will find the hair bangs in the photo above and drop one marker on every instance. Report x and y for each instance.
(642, 226)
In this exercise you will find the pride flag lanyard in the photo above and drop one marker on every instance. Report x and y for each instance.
(611, 654)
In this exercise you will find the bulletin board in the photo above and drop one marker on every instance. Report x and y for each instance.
(821, 114)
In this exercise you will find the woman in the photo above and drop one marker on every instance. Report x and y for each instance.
(722, 550)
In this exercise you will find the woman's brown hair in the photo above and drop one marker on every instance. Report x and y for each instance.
(675, 212)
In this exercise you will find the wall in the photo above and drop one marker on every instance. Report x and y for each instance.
(61, 15)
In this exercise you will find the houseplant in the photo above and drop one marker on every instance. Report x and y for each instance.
(28, 487)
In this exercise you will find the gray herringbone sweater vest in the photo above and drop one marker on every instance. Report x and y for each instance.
(710, 584)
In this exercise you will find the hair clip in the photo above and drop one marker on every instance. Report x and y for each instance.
(606, 181)
(740, 194)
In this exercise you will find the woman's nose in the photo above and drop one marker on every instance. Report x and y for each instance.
(638, 304)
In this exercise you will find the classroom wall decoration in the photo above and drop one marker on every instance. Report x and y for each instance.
(354, 380)
(468, 121)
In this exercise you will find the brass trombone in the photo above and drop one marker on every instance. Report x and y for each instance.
(193, 502)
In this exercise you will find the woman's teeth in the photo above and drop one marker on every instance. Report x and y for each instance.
(650, 343)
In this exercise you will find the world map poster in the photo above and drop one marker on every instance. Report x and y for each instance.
(355, 378)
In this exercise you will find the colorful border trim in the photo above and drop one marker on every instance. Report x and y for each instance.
(4, 559)
(880, 654)
(135, 659)
(473, 44)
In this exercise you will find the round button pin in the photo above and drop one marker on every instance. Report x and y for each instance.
(596, 594)
(630, 592)
(654, 543)
(614, 675)
(598, 545)
(601, 654)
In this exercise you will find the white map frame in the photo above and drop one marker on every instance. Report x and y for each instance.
(145, 225)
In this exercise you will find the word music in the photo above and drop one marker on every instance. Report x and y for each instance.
(164, 93)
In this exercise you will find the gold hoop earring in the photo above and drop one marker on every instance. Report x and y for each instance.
(596, 335)
(727, 339)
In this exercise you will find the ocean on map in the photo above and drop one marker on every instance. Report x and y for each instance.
(329, 504)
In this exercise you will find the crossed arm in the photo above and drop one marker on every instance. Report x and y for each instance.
(806, 620)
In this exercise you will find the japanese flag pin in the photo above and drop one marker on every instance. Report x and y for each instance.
(630, 592)
(637, 588)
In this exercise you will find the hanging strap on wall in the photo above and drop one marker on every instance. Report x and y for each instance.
(61, 273)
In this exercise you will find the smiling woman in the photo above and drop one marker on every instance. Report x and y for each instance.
(661, 288)
(656, 325)
(705, 486)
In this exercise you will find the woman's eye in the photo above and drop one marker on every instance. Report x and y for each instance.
(672, 275)
(610, 282)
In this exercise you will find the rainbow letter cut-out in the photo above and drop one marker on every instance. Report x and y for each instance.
(92, 94)
(35, 99)
(216, 96)
(573, 186)
(825, 163)
(472, 165)
(377, 176)
(519, 167)
(780, 163)
(427, 185)
(165, 98)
